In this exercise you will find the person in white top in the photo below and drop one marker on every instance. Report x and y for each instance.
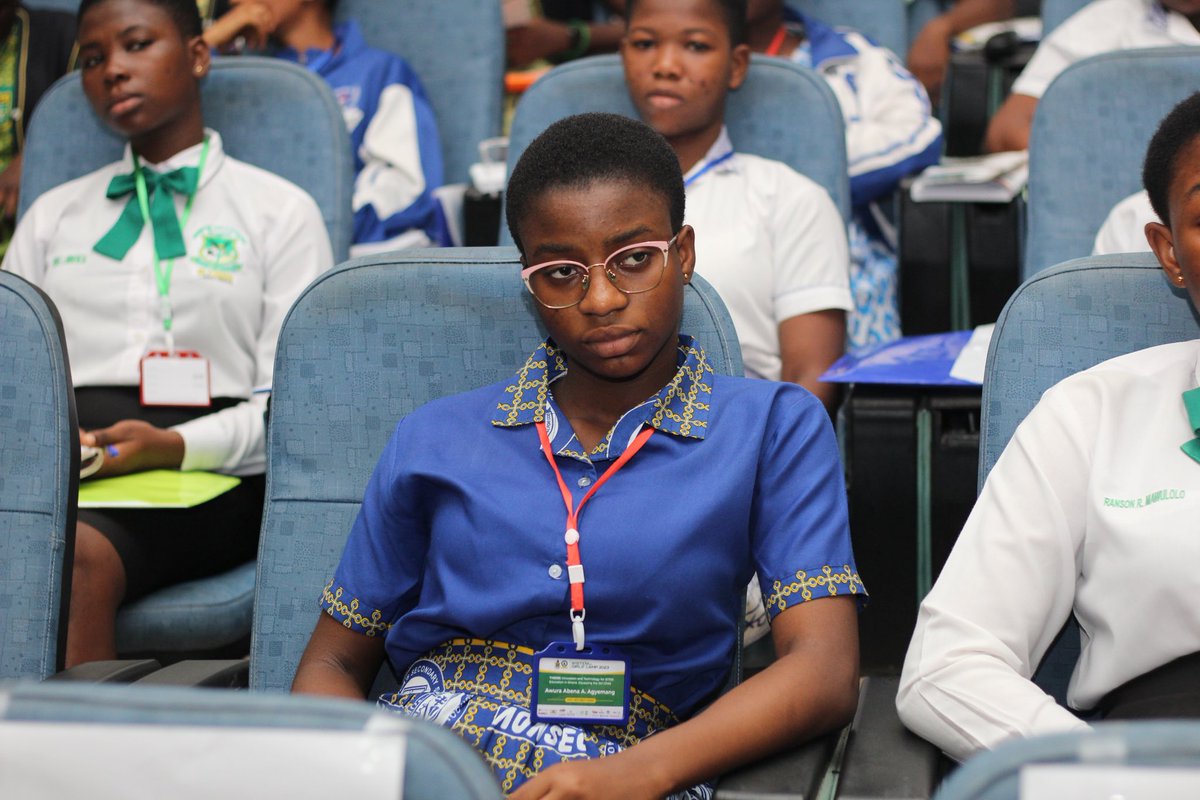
(1091, 510)
(1124, 229)
(1099, 27)
(774, 243)
(211, 249)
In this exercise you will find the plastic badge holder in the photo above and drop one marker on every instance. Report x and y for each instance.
(588, 686)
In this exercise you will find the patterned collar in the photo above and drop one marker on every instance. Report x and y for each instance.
(682, 407)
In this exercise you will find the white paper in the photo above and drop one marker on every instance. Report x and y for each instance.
(994, 178)
(48, 761)
(971, 361)
(173, 381)
(1104, 782)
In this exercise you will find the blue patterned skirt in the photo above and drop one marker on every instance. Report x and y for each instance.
(481, 690)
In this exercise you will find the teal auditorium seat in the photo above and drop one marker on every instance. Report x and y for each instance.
(884, 21)
(803, 127)
(457, 48)
(1089, 140)
(366, 344)
(1057, 323)
(1121, 750)
(362, 347)
(437, 765)
(39, 472)
(303, 139)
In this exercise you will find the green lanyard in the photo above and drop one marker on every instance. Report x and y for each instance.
(162, 275)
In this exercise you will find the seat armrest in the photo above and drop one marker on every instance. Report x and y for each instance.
(795, 774)
(217, 674)
(884, 759)
(123, 671)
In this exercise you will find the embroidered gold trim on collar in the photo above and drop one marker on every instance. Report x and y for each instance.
(681, 407)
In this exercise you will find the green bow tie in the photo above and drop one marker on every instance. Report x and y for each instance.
(168, 238)
(1191, 401)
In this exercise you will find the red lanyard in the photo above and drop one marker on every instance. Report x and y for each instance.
(777, 43)
(571, 536)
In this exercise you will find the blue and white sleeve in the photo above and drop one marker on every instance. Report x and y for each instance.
(402, 165)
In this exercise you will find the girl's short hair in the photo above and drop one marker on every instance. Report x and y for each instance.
(184, 13)
(1175, 132)
(579, 150)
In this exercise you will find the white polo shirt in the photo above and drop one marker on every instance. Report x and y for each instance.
(1092, 508)
(1103, 26)
(254, 241)
(771, 242)
(1124, 229)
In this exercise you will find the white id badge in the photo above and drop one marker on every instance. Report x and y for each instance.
(588, 687)
(175, 379)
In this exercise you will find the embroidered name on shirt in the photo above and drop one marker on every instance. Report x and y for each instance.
(72, 259)
(1142, 502)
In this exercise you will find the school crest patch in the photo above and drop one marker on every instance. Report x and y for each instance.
(218, 252)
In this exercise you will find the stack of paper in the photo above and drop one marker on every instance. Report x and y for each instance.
(995, 178)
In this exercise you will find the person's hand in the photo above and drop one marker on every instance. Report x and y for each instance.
(10, 187)
(929, 56)
(589, 779)
(540, 38)
(132, 445)
(250, 20)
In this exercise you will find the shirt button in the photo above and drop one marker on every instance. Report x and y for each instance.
(584, 481)
(555, 571)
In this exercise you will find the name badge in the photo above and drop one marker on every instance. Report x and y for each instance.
(175, 379)
(588, 686)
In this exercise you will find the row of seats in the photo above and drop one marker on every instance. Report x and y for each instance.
(442, 49)
(327, 424)
(1088, 116)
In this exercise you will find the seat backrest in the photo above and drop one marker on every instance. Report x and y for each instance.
(364, 345)
(1059, 322)
(39, 473)
(457, 49)
(782, 111)
(234, 744)
(1089, 140)
(884, 21)
(269, 113)
(1093, 763)
(1054, 12)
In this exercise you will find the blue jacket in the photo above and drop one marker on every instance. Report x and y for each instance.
(891, 131)
(393, 131)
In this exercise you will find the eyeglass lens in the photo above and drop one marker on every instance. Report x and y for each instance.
(631, 270)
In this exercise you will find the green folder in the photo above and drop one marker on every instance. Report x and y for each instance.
(159, 488)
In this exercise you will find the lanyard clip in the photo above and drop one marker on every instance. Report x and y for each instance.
(577, 627)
